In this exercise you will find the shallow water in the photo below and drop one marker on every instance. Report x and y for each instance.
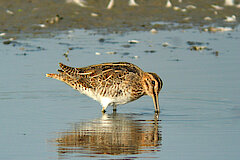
(42, 118)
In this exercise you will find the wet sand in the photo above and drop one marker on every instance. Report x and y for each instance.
(46, 17)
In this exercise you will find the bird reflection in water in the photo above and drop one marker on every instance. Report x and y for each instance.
(112, 134)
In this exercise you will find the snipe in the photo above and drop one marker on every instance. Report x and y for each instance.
(111, 83)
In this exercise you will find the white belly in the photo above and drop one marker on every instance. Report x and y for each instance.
(106, 101)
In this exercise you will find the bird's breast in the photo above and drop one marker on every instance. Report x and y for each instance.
(107, 96)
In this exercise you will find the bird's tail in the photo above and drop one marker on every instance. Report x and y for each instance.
(55, 76)
(61, 76)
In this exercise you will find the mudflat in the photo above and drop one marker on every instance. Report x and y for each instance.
(33, 17)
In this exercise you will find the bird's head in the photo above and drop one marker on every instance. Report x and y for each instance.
(152, 85)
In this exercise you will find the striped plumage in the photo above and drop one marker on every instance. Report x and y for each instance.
(111, 83)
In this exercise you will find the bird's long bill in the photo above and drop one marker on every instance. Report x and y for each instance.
(156, 102)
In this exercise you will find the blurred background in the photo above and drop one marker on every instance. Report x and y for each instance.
(47, 16)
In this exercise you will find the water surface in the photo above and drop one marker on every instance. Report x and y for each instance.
(42, 118)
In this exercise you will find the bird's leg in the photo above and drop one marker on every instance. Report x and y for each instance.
(157, 111)
(114, 107)
(104, 109)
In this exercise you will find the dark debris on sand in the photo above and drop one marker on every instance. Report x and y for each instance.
(35, 18)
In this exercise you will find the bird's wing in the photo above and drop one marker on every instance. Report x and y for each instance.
(107, 73)
(101, 69)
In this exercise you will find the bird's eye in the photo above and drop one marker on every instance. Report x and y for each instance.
(153, 82)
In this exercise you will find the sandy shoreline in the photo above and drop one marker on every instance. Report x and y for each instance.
(37, 18)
